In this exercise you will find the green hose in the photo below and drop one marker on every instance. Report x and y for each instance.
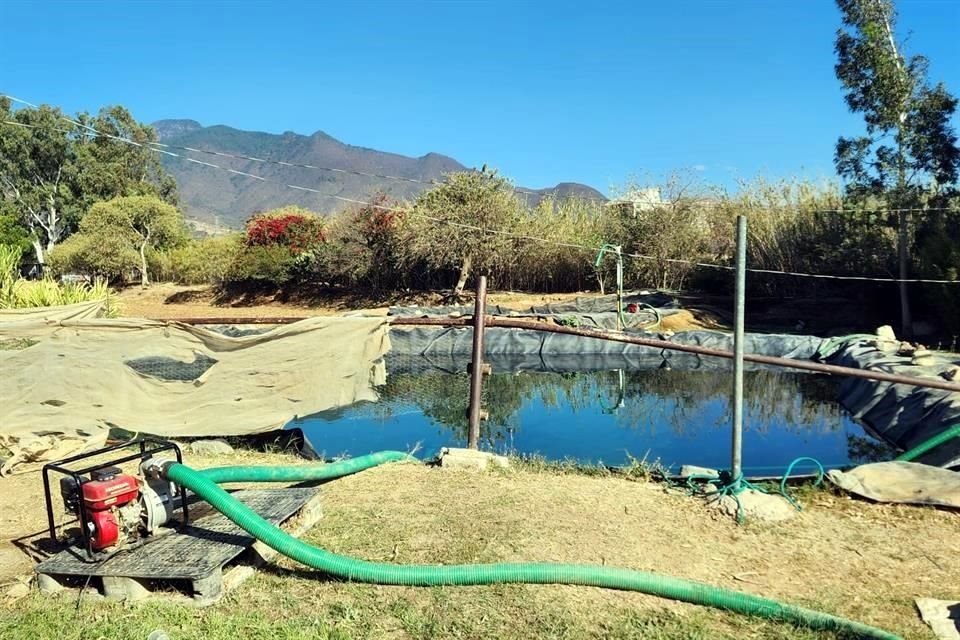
(203, 484)
(301, 473)
(926, 445)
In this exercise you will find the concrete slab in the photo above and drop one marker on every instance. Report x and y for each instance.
(471, 459)
(688, 470)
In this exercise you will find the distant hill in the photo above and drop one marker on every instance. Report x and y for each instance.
(218, 197)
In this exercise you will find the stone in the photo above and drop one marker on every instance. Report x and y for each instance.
(453, 458)
(688, 470)
(48, 584)
(887, 339)
(237, 576)
(210, 448)
(208, 589)
(906, 349)
(951, 373)
(17, 591)
(755, 505)
(124, 589)
(886, 333)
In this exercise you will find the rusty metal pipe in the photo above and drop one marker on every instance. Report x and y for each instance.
(476, 366)
(803, 365)
(533, 325)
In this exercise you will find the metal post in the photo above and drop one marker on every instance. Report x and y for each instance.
(476, 366)
(738, 310)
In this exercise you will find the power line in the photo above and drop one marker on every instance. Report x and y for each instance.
(235, 156)
(239, 156)
(514, 235)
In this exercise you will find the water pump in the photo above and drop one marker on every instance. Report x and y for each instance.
(116, 510)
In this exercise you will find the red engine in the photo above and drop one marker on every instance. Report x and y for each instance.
(105, 499)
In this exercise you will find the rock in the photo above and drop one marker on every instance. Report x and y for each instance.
(756, 505)
(951, 373)
(923, 358)
(48, 584)
(886, 339)
(17, 591)
(124, 589)
(688, 470)
(210, 448)
(886, 333)
(906, 349)
(452, 458)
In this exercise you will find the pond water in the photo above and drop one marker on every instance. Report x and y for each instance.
(676, 417)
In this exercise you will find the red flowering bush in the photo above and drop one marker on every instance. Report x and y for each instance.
(291, 227)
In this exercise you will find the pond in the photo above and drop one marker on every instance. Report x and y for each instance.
(671, 416)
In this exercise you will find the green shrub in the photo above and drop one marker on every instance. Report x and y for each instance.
(110, 257)
(272, 264)
(206, 261)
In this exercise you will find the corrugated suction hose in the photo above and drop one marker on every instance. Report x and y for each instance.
(204, 485)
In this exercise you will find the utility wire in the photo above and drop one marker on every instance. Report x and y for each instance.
(163, 147)
(518, 236)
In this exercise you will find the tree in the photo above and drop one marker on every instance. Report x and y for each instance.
(12, 233)
(52, 170)
(909, 152)
(115, 236)
(459, 217)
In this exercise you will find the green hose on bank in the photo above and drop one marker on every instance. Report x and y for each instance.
(204, 485)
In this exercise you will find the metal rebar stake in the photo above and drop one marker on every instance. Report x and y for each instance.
(738, 311)
(476, 364)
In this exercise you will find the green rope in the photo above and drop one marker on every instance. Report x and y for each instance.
(726, 484)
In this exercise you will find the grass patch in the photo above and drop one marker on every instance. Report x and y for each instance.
(839, 556)
(371, 612)
(639, 469)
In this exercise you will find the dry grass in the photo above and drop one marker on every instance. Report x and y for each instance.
(847, 557)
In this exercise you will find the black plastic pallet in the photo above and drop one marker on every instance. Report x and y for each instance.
(192, 560)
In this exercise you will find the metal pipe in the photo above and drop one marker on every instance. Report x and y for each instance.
(776, 361)
(476, 366)
(736, 444)
(534, 325)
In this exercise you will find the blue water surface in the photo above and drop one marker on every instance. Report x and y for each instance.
(609, 417)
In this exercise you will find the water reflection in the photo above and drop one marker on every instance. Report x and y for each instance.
(676, 416)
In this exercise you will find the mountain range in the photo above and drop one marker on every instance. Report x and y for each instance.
(211, 196)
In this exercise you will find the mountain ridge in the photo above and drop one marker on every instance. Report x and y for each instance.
(228, 199)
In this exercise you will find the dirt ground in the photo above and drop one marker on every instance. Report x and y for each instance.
(848, 557)
(167, 301)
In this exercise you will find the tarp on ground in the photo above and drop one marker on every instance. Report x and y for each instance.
(901, 482)
(79, 311)
(598, 312)
(80, 378)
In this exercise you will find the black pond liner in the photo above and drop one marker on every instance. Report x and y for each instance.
(903, 416)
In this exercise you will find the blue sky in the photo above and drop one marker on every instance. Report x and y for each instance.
(591, 92)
